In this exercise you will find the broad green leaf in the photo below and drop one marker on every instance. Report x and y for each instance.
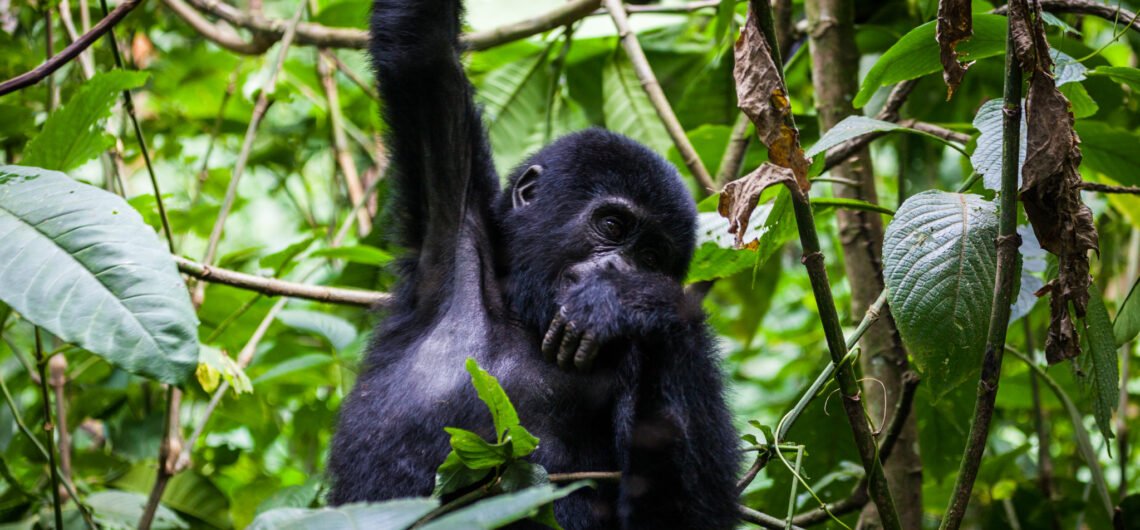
(772, 225)
(521, 474)
(475, 452)
(851, 127)
(282, 261)
(939, 261)
(1110, 150)
(82, 264)
(362, 254)
(1032, 260)
(71, 135)
(336, 330)
(916, 54)
(1121, 74)
(523, 442)
(1081, 103)
(1066, 69)
(1127, 323)
(839, 203)
(501, 510)
(515, 106)
(627, 107)
(294, 365)
(986, 158)
(1052, 20)
(121, 510)
(487, 386)
(1105, 373)
(452, 475)
(299, 496)
(390, 515)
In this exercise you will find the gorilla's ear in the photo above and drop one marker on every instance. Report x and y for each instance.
(523, 192)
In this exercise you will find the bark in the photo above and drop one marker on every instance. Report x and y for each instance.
(835, 62)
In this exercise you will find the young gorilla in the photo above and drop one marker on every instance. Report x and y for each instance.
(566, 286)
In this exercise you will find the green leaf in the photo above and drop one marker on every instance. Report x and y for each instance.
(212, 363)
(487, 386)
(772, 225)
(80, 263)
(1032, 260)
(452, 475)
(1110, 150)
(515, 105)
(363, 254)
(522, 440)
(851, 127)
(389, 515)
(501, 510)
(298, 496)
(1121, 74)
(825, 203)
(302, 364)
(627, 108)
(1081, 102)
(121, 510)
(1105, 373)
(1066, 69)
(916, 54)
(475, 452)
(338, 331)
(71, 135)
(521, 474)
(939, 261)
(1052, 20)
(986, 158)
(1127, 323)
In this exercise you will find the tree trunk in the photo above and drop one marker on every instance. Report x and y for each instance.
(835, 66)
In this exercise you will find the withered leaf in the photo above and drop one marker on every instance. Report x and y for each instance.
(1051, 194)
(955, 24)
(739, 198)
(1021, 32)
(761, 94)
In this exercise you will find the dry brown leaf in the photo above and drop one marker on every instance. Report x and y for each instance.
(739, 198)
(1021, 31)
(1051, 193)
(761, 94)
(955, 24)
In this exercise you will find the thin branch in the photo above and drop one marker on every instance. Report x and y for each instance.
(341, 153)
(40, 72)
(840, 153)
(733, 157)
(1105, 188)
(49, 430)
(86, 63)
(657, 95)
(608, 476)
(275, 287)
(1007, 243)
(1110, 11)
(57, 368)
(764, 520)
(168, 450)
(221, 35)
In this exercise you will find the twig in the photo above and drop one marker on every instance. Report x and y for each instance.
(49, 430)
(840, 153)
(1005, 277)
(168, 450)
(259, 110)
(310, 34)
(85, 61)
(1110, 11)
(221, 35)
(366, 86)
(608, 476)
(734, 153)
(275, 287)
(657, 95)
(38, 73)
(243, 360)
(1105, 188)
(341, 152)
(57, 366)
(764, 520)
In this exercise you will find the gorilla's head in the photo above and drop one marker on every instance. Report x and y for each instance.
(590, 201)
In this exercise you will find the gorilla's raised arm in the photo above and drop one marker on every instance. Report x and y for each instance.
(444, 179)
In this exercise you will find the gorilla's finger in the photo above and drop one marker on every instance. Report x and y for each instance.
(587, 351)
(569, 346)
(553, 336)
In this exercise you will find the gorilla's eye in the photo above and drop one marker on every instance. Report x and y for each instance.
(612, 228)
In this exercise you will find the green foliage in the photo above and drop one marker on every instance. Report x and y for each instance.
(627, 107)
(82, 265)
(1102, 358)
(1127, 323)
(938, 263)
(71, 135)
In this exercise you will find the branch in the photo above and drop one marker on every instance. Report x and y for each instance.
(221, 35)
(1007, 242)
(270, 30)
(764, 520)
(71, 51)
(657, 95)
(1105, 188)
(733, 157)
(275, 287)
(1108, 12)
(840, 153)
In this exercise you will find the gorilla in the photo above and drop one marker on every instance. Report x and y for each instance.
(567, 286)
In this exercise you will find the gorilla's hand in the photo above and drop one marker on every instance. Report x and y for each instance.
(608, 306)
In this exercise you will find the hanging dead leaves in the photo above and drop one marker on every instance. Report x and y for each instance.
(1051, 187)
(762, 96)
(955, 24)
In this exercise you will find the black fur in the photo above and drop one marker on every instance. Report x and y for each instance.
(487, 274)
